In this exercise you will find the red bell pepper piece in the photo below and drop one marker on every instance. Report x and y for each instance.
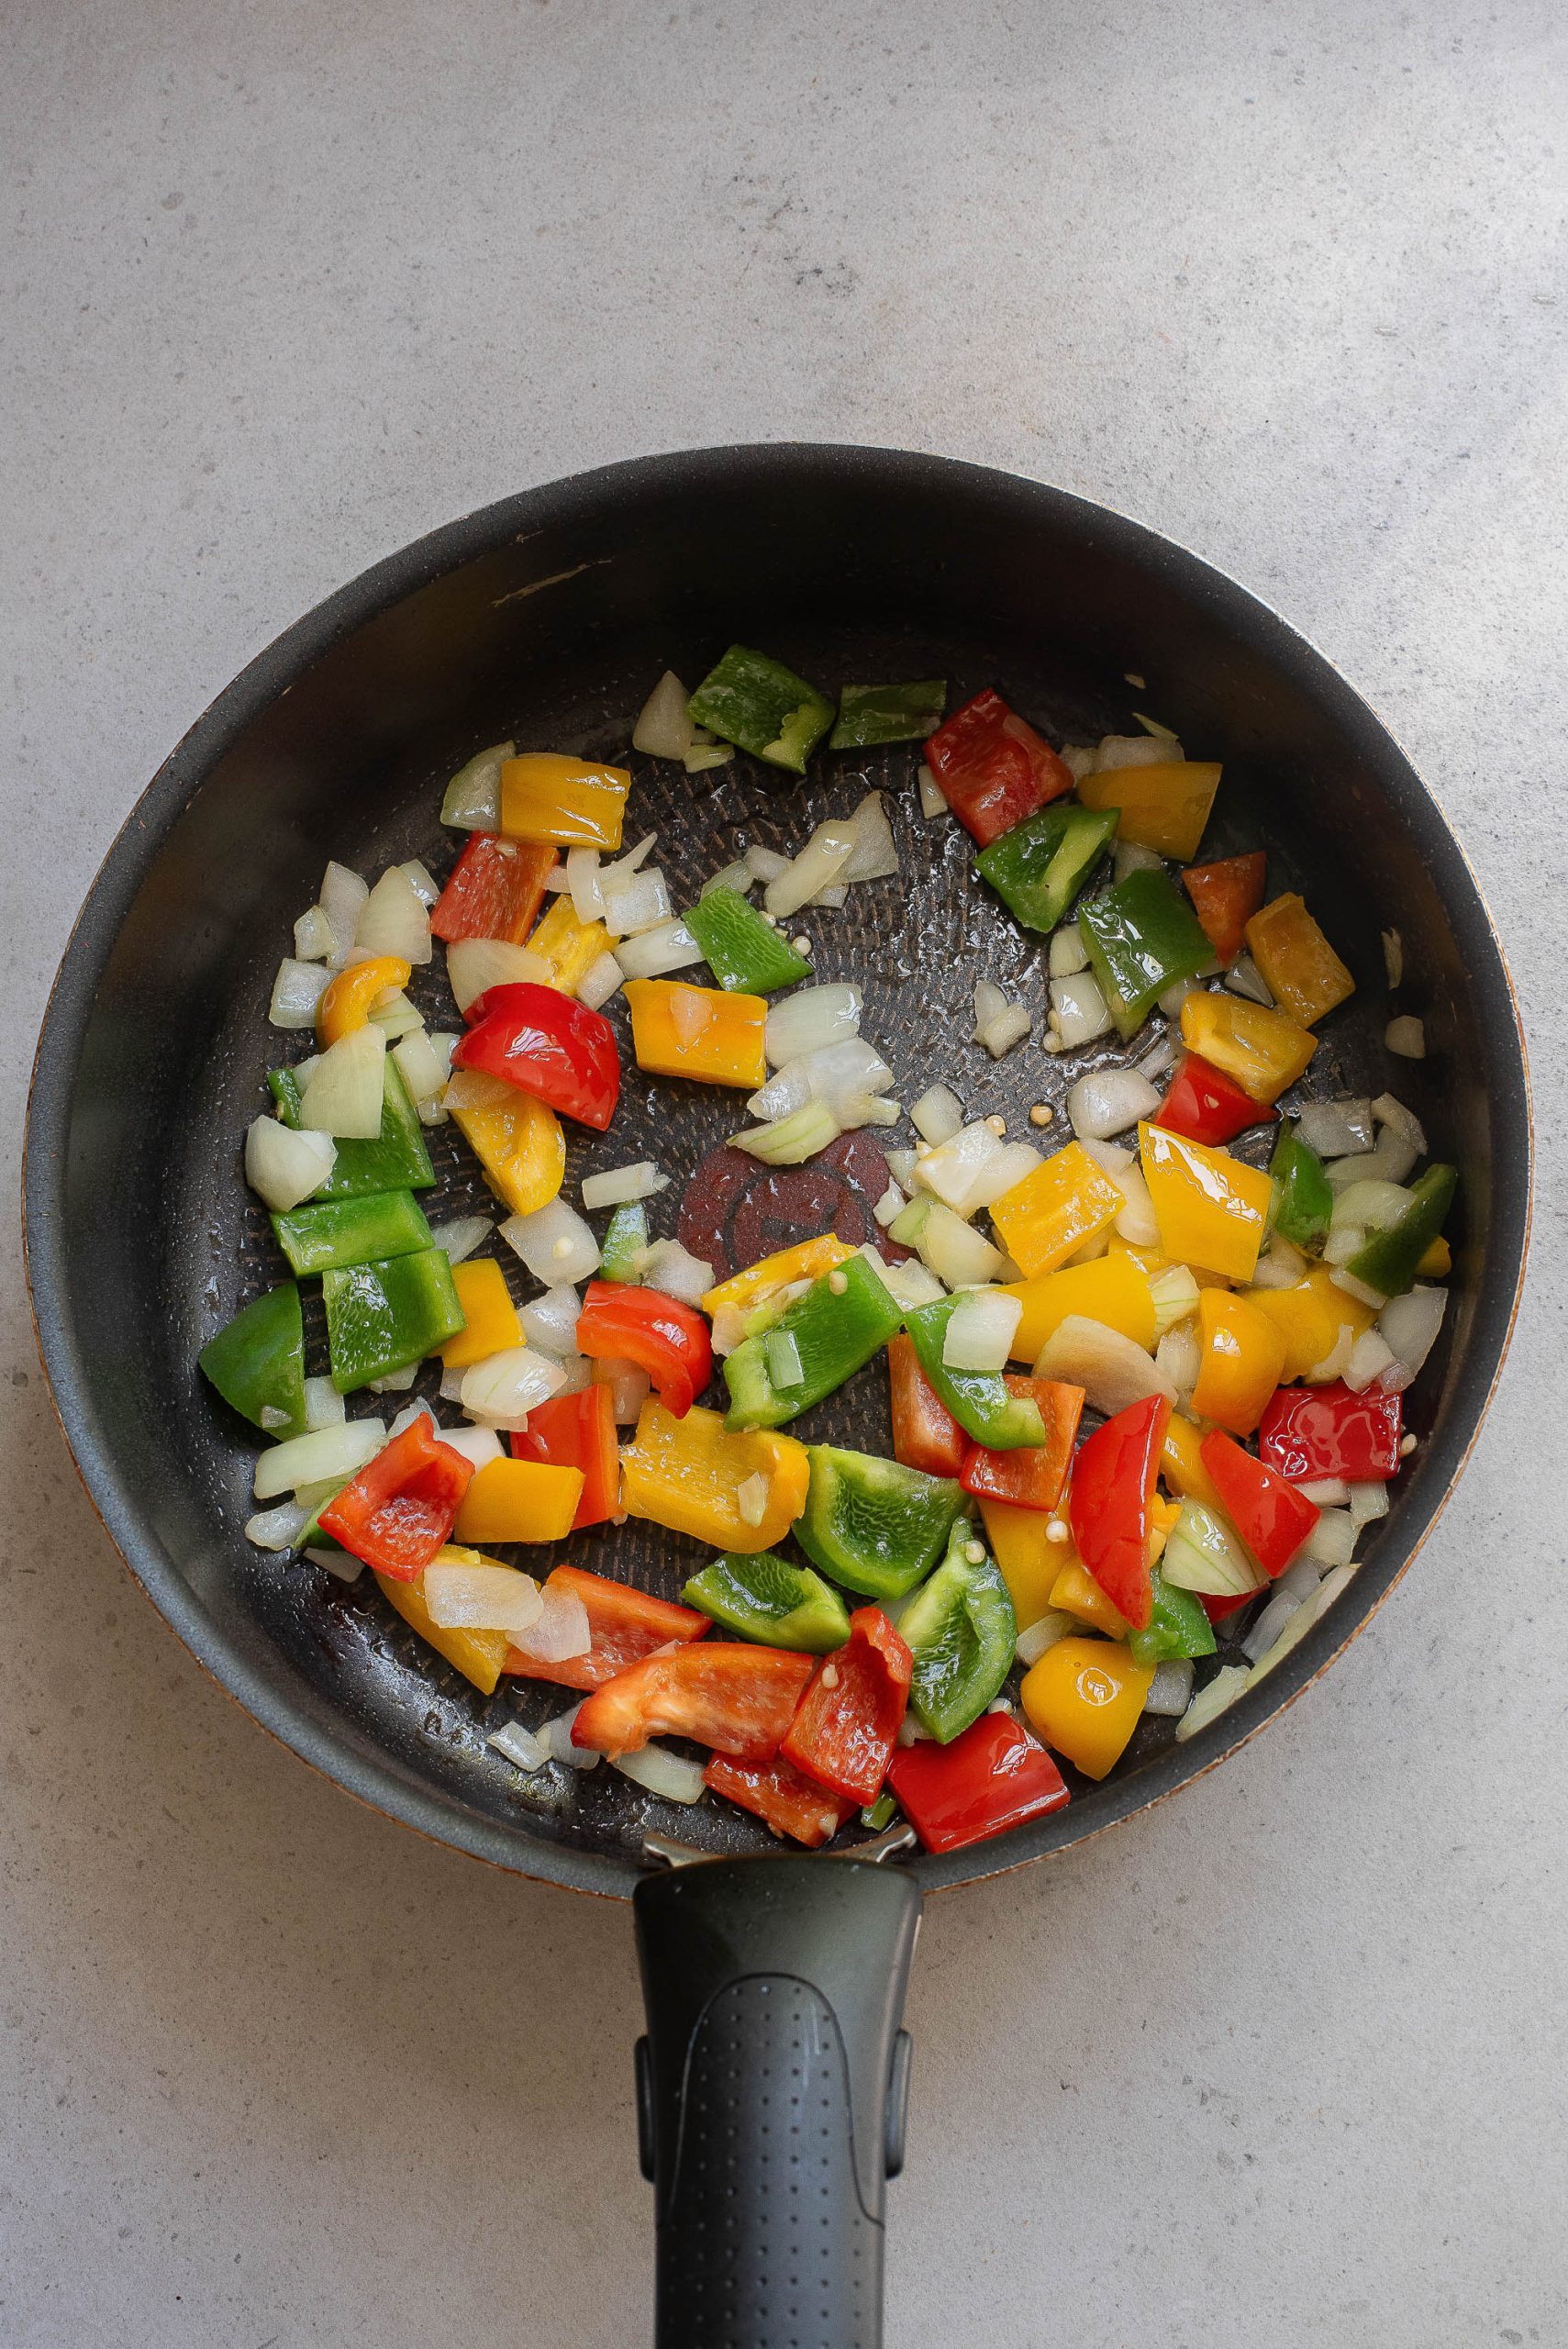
(992, 767)
(1034, 1475)
(1225, 897)
(728, 1693)
(1112, 1483)
(1311, 1431)
(993, 1777)
(791, 1804)
(578, 1431)
(1272, 1519)
(495, 890)
(668, 1340)
(850, 1713)
(925, 1433)
(624, 1624)
(398, 1511)
(545, 1043)
(1207, 1105)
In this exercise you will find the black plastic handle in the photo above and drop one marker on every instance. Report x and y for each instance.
(771, 2091)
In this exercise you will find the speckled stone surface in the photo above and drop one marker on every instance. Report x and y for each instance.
(285, 285)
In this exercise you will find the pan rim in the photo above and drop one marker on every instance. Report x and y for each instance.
(308, 1731)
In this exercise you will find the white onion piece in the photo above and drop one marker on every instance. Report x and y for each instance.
(462, 1236)
(556, 1738)
(1079, 1009)
(479, 1446)
(600, 981)
(549, 1322)
(423, 1065)
(280, 1528)
(1369, 1356)
(555, 880)
(285, 1166)
(341, 1563)
(810, 1018)
(396, 1382)
(981, 1329)
(913, 1283)
(617, 1185)
(1068, 954)
(765, 863)
(315, 1459)
(475, 965)
(1325, 1492)
(1212, 1699)
(890, 1207)
(1174, 1294)
(406, 1417)
(1170, 1691)
(343, 1096)
(395, 1017)
(1136, 1222)
(1336, 1129)
(505, 1387)
(1362, 1290)
(1117, 751)
(296, 991)
(421, 880)
(342, 898)
(937, 1115)
(1334, 1361)
(932, 800)
(630, 1387)
(1174, 995)
(1410, 1325)
(1078, 758)
(472, 799)
(394, 919)
(753, 1494)
(1389, 1162)
(323, 1406)
(854, 1110)
(852, 1066)
(738, 876)
(1203, 1555)
(1160, 1059)
(1244, 978)
(1332, 1540)
(674, 1272)
(520, 1745)
(576, 1372)
(901, 1166)
(1281, 1266)
(1406, 1037)
(1369, 1204)
(988, 1001)
(670, 1775)
(1368, 1502)
(1010, 1027)
(1342, 1245)
(1179, 1357)
(1301, 1579)
(669, 946)
(480, 1598)
(664, 728)
(825, 856)
(313, 938)
(1109, 1156)
(583, 880)
(554, 1243)
(1113, 1371)
(1131, 856)
(451, 1388)
(1109, 1101)
(1400, 1120)
(1043, 1632)
(1271, 1622)
(875, 856)
(955, 1251)
(790, 1141)
(641, 903)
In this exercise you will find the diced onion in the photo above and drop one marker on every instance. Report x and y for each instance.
(1325, 1492)
(296, 991)
(973, 1169)
(932, 800)
(981, 1329)
(473, 800)
(1357, 1289)
(1370, 1205)
(1211, 1701)
(555, 1736)
(1400, 1120)
(1410, 1325)
(1368, 1502)
(1109, 1157)
(1281, 1266)
(953, 1250)
(480, 1446)
(1407, 1037)
(343, 1096)
(520, 1745)
(341, 898)
(833, 1069)
(1394, 957)
(1203, 1555)
(825, 856)
(280, 1528)
(323, 1406)
(901, 1166)
(1116, 750)
(765, 863)
(1068, 954)
(394, 919)
(396, 1382)
(782, 1355)
(1179, 1357)
(912, 1284)
(854, 1110)
(1043, 1632)
(1080, 1010)
(1007, 1028)
(664, 727)
(669, 947)
(560, 1630)
(810, 1018)
(1174, 1294)
(283, 1166)
(474, 964)
(341, 1563)
(1370, 1357)
(583, 880)
(1109, 1101)
(874, 856)
(789, 1142)
(1175, 995)
(738, 876)
(1389, 1162)
(1336, 1129)
(600, 981)
(505, 1387)
(422, 1064)
(673, 1776)
(890, 1205)
(481, 1599)
(1137, 1223)
(1078, 758)
(641, 903)
(1170, 1691)
(554, 1243)
(988, 1001)
(421, 880)
(549, 1322)
(937, 1115)
(1113, 1370)
(753, 1495)
(395, 1016)
(315, 1459)
(313, 938)
(675, 1272)
(1245, 977)
(1332, 1540)
(1271, 1622)
(617, 1186)
(628, 1387)
(1131, 856)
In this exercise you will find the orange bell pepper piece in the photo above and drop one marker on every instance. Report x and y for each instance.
(1029, 1560)
(1300, 968)
(1084, 1697)
(520, 1143)
(689, 1475)
(702, 1032)
(1211, 1209)
(492, 1324)
(1113, 1289)
(518, 1501)
(570, 947)
(1311, 1316)
(1225, 897)
(806, 1260)
(346, 1000)
(1162, 807)
(1061, 1203)
(576, 803)
(1265, 1050)
(1076, 1592)
(1241, 1362)
(1181, 1466)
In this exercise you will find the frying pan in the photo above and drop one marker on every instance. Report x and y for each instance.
(771, 2083)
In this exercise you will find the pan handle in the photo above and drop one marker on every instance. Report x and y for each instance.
(771, 2092)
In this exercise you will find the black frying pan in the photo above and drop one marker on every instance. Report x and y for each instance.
(771, 2088)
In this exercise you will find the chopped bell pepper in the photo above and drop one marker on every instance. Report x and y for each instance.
(495, 890)
(870, 716)
(571, 947)
(399, 1510)
(519, 1500)
(1109, 1506)
(396, 1160)
(1181, 1466)
(1112, 1289)
(789, 1802)
(345, 1001)
(519, 1144)
(1225, 897)
(992, 1778)
(1391, 1258)
(668, 1340)
(490, 1322)
(352, 1231)
(578, 1431)
(872, 1524)
(1038, 867)
(257, 1361)
(854, 1704)
(1084, 1697)
(980, 1400)
(626, 1239)
(1076, 1592)
(698, 1032)
(1153, 1262)
(992, 768)
(738, 1699)
(1272, 1519)
(1177, 1626)
(1299, 967)
(844, 1316)
(1241, 1357)
(805, 1261)
(1027, 1558)
(770, 1599)
(1304, 1196)
(1163, 808)
(478, 1655)
(1032, 1476)
(744, 952)
(381, 1316)
(1437, 1262)
(575, 803)
(1141, 937)
(961, 1632)
(925, 1433)
(1060, 1204)
(757, 702)
(548, 1044)
(690, 1475)
(1202, 1102)
(1211, 1209)
(1310, 1432)
(624, 1626)
(1265, 1050)
(1311, 1315)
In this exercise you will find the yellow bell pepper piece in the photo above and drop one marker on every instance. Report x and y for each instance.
(521, 1148)
(1163, 808)
(1048, 1217)
(1300, 968)
(1029, 1561)
(1181, 1464)
(1265, 1050)
(1211, 1209)
(687, 1473)
(491, 1322)
(1112, 1289)
(702, 1032)
(577, 803)
(518, 1501)
(1162, 1517)
(1310, 1317)
(1076, 1592)
(1084, 1697)
(570, 947)
(346, 1000)
(1153, 1262)
(806, 1260)
(478, 1655)
(1241, 1361)
(1437, 1262)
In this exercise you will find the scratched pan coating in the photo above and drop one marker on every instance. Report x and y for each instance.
(547, 619)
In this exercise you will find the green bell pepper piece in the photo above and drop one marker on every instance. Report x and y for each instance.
(880, 1813)
(835, 1329)
(1141, 935)
(1038, 867)
(871, 715)
(352, 1232)
(257, 1361)
(764, 707)
(397, 1160)
(978, 1399)
(381, 1316)
(1304, 1196)
(1388, 1263)
(1177, 1627)
(625, 1237)
(768, 1598)
(872, 1524)
(961, 1630)
(742, 950)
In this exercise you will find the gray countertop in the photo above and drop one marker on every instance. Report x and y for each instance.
(285, 285)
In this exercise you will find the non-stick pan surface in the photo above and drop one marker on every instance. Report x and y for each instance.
(547, 618)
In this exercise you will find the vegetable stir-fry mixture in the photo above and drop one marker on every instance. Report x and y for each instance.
(1144, 1380)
